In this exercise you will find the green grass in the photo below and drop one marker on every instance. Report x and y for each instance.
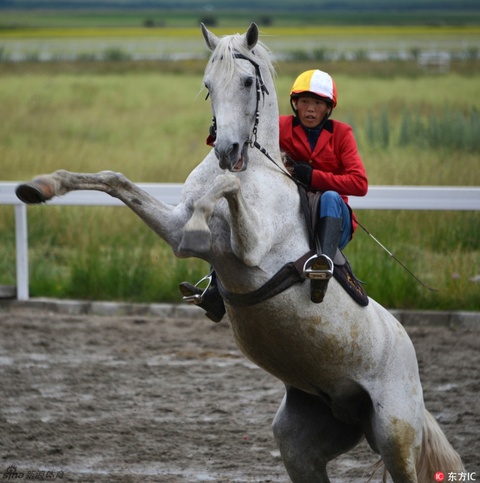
(227, 17)
(151, 124)
(441, 248)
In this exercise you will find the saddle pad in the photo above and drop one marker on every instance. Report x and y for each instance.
(346, 278)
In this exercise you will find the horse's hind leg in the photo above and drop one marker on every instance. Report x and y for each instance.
(309, 436)
(396, 435)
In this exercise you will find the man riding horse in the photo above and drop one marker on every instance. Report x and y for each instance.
(322, 155)
(350, 370)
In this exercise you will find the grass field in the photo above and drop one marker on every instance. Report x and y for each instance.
(150, 120)
(445, 32)
(232, 18)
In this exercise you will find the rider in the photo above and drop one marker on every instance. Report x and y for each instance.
(323, 157)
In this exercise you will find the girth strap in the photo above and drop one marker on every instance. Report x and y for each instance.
(288, 275)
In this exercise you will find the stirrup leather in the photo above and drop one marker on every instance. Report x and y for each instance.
(198, 298)
(318, 267)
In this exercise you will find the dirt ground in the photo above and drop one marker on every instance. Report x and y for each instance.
(152, 399)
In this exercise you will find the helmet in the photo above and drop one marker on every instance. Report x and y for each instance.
(315, 82)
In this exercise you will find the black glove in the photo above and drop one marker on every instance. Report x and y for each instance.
(303, 173)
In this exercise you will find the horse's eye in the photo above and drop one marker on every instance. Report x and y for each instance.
(248, 82)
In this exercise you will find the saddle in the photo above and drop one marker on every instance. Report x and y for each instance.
(343, 273)
(292, 272)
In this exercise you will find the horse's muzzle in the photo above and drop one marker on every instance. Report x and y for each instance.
(231, 157)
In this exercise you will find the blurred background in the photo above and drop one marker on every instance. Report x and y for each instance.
(92, 85)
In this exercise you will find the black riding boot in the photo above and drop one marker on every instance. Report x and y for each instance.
(209, 298)
(319, 269)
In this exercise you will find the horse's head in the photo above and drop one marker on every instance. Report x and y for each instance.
(233, 78)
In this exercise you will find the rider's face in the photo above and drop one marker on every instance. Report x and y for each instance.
(311, 110)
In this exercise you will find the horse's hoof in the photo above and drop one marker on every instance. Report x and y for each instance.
(196, 241)
(38, 191)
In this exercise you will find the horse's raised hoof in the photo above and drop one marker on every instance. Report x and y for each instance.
(37, 191)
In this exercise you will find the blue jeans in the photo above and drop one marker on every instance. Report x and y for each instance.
(331, 204)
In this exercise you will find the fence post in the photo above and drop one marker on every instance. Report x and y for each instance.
(21, 240)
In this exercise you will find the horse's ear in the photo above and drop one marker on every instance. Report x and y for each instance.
(210, 39)
(251, 36)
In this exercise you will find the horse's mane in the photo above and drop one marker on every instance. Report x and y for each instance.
(224, 51)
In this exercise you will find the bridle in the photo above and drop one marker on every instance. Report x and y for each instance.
(261, 90)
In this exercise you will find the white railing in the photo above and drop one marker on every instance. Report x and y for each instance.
(378, 198)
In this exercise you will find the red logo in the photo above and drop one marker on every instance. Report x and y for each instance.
(439, 476)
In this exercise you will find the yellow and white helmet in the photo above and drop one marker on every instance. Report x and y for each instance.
(315, 82)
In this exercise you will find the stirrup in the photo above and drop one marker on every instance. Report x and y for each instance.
(318, 267)
(198, 298)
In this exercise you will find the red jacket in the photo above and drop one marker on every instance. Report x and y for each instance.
(335, 160)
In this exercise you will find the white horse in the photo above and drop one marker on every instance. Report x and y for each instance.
(350, 372)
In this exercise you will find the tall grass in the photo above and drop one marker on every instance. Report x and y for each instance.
(152, 126)
(441, 248)
(452, 129)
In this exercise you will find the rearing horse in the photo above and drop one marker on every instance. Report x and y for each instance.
(350, 372)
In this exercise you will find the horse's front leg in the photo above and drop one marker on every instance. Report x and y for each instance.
(165, 220)
(248, 233)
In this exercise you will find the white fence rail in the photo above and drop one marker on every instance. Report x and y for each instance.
(378, 198)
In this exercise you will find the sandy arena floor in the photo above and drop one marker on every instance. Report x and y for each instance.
(149, 399)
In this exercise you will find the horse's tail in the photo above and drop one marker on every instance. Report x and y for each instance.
(436, 453)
